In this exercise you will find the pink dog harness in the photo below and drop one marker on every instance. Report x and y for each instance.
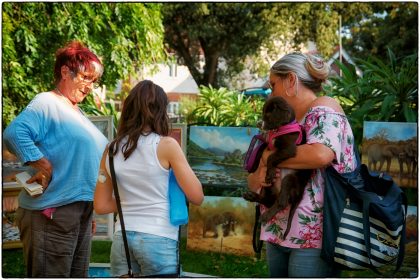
(294, 126)
(260, 141)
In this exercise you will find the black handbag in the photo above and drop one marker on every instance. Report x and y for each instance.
(124, 235)
(364, 220)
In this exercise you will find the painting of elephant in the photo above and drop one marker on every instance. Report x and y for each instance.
(408, 156)
(221, 224)
(226, 220)
(381, 153)
(392, 147)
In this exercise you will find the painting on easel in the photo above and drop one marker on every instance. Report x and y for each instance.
(221, 224)
(391, 147)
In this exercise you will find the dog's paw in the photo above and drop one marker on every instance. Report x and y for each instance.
(251, 196)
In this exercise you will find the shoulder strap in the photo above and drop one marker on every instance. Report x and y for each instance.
(120, 213)
(256, 242)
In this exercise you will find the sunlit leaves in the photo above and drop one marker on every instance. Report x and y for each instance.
(125, 35)
(222, 107)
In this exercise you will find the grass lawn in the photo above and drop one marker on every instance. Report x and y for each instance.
(217, 264)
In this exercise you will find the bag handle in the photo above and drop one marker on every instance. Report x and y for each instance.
(256, 242)
(120, 213)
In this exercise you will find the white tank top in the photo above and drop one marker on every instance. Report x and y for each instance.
(143, 188)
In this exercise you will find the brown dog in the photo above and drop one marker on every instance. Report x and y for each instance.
(281, 128)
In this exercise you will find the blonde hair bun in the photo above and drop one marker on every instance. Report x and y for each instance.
(316, 67)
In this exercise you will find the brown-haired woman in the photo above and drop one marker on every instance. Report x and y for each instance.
(143, 155)
(55, 138)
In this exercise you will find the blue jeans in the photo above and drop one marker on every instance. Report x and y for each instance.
(299, 263)
(150, 254)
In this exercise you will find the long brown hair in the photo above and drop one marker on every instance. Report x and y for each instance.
(143, 112)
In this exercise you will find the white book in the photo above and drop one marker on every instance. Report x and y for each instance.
(33, 188)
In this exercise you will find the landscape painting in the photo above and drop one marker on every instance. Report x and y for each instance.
(411, 246)
(391, 147)
(216, 155)
(221, 224)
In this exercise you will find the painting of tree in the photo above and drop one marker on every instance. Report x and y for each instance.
(216, 155)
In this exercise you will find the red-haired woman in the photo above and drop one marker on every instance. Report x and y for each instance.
(63, 148)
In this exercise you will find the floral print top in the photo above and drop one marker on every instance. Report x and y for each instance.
(322, 125)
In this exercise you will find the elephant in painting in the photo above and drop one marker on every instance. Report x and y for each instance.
(227, 220)
(381, 153)
(408, 155)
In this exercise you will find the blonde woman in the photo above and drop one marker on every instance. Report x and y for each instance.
(298, 78)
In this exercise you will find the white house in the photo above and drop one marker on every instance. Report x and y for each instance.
(176, 80)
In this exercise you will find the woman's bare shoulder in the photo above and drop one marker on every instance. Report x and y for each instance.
(168, 140)
(328, 102)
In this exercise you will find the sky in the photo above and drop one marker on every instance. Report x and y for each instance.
(225, 138)
(395, 130)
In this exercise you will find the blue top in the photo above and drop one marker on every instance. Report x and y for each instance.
(49, 128)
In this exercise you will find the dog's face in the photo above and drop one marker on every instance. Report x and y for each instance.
(276, 112)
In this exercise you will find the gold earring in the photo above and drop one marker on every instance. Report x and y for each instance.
(287, 94)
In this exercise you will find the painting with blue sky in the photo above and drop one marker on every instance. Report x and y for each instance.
(392, 147)
(216, 155)
(394, 130)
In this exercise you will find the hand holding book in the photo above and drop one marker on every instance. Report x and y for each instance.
(32, 189)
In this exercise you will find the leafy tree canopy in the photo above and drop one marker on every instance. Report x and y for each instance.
(125, 35)
(394, 26)
(234, 31)
(228, 30)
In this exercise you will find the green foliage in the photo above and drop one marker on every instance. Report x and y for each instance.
(208, 263)
(186, 108)
(219, 30)
(210, 105)
(239, 34)
(13, 265)
(125, 35)
(224, 265)
(100, 251)
(394, 25)
(386, 92)
(221, 107)
(95, 107)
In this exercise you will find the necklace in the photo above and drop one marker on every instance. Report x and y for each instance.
(67, 100)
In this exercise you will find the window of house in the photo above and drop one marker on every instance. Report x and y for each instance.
(173, 107)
